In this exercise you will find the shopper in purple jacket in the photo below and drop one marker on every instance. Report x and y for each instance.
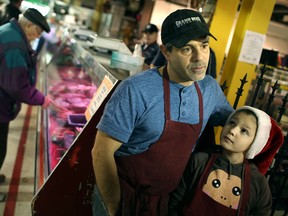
(18, 71)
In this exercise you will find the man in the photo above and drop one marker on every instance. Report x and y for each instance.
(150, 46)
(9, 11)
(152, 122)
(18, 71)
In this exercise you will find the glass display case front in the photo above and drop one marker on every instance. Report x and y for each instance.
(71, 89)
(77, 83)
(73, 76)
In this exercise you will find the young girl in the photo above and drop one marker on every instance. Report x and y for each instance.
(231, 182)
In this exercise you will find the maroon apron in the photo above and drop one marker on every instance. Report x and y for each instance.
(146, 179)
(203, 205)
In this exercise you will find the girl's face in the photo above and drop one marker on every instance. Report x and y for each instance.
(238, 133)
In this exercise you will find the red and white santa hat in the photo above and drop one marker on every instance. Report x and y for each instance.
(267, 141)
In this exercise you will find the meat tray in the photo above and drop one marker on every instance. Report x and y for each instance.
(77, 120)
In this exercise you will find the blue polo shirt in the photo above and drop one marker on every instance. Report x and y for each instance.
(134, 114)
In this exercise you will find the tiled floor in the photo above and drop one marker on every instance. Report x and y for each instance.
(19, 164)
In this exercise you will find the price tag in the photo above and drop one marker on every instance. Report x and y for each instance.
(101, 93)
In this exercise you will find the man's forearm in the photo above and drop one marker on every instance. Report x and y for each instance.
(105, 170)
(108, 185)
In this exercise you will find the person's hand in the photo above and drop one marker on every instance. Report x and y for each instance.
(46, 103)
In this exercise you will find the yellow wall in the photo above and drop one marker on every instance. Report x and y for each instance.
(254, 16)
(96, 18)
(221, 26)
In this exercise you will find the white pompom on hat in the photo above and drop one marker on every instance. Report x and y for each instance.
(267, 141)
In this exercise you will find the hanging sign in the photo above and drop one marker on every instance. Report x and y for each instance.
(252, 47)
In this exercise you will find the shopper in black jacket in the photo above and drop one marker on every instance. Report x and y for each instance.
(9, 11)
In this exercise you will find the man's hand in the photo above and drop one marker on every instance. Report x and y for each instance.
(46, 103)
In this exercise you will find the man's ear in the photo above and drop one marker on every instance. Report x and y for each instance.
(164, 51)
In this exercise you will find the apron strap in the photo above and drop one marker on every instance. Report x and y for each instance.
(206, 170)
(166, 94)
(200, 103)
(246, 188)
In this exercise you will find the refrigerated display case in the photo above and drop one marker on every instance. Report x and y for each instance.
(72, 78)
(71, 89)
(79, 86)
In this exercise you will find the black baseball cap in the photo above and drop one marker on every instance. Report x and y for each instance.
(150, 28)
(183, 25)
(37, 18)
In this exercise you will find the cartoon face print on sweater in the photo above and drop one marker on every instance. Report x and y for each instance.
(223, 188)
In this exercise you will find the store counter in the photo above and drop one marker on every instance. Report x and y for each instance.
(79, 86)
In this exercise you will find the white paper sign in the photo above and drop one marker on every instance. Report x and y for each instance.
(252, 47)
(101, 93)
